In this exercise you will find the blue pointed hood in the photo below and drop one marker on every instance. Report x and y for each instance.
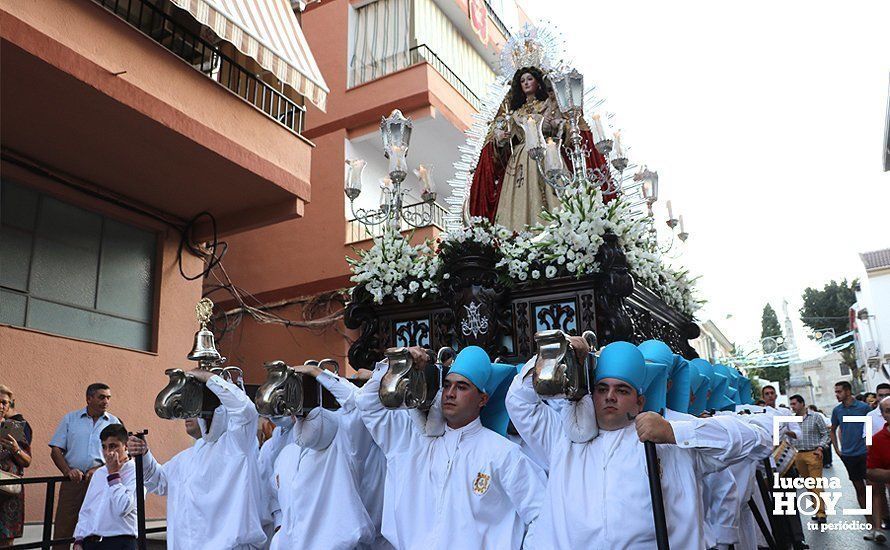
(622, 361)
(490, 378)
(494, 414)
(659, 360)
(745, 390)
(680, 382)
(719, 399)
(700, 385)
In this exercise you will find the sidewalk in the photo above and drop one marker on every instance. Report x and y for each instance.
(840, 539)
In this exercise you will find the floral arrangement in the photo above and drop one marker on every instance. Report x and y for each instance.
(565, 244)
(394, 267)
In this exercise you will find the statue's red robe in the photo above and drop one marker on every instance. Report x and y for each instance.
(489, 175)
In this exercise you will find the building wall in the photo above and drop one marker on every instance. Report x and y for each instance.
(874, 333)
(879, 290)
(821, 375)
(49, 373)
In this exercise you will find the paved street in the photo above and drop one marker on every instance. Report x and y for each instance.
(840, 539)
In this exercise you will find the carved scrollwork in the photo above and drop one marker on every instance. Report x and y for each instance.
(415, 332)
(613, 321)
(366, 350)
(556, 316)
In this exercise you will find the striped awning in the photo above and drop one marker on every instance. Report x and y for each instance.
(268, 32)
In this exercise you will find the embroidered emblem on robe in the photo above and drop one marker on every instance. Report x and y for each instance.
(480, 486)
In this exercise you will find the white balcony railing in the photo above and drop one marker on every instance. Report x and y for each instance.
(356, 232)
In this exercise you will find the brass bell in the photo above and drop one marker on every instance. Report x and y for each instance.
(204, 348)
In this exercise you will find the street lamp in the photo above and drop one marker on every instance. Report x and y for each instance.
(395, 132)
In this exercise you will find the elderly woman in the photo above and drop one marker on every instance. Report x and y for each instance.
(15, 456)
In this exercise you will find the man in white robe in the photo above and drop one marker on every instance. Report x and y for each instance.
(212, 488)
(469, 488)
(598, 491)
(281, 436)
(718, 489)
(318, 482)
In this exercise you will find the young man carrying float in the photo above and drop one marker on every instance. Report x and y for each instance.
(468, 488)
(598, 494)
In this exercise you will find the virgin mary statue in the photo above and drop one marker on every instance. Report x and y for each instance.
(507, 187)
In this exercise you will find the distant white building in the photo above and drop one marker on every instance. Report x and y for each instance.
(870, 318)
(814, 380)
(712, 344)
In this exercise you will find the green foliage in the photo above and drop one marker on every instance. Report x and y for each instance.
(829, 307)
(770, 327)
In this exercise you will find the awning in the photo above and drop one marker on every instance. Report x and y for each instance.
(268, 32)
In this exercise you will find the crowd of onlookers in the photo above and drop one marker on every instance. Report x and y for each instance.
(848, 437)
(82, 445)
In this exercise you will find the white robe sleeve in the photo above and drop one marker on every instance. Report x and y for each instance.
(719, 441)
(239, 408)
(274, 506)
(722, 506)
(342, 389)
(392, 430)
(358, 439)
(539, 425)
(155, 475)
(524, 483)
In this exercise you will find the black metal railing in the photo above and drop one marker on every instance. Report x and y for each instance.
(209, 59)
(497, 20)
(47, 541)
(421, 53)
(360, 74)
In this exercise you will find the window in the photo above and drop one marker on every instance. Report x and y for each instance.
(73, 272)
(380, 40)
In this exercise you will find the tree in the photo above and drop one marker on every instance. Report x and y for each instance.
(829, 308)
(770, 328)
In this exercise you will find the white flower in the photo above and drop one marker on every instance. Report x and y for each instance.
(412, 288)
(523, 276)
(550, 271)
(536, 274)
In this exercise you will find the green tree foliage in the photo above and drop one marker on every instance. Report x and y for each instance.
(829, 308)
(770, 327)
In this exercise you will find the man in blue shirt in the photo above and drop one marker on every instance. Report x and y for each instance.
(77, 453)
(852, 449)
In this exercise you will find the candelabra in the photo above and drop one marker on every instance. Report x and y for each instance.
(396, 134)
(568, 89)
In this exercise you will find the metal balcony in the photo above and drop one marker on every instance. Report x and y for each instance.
(356, 232)
(208, 58)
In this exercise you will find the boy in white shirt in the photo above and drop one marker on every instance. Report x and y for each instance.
(107, 519)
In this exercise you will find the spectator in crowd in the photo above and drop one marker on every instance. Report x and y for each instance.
(878, 469)
(849, 444)
(760, 402)
(826, 450)
(871, 399)
(107, 519)
(877, 420)
(77, 453)
(814, 436)
(15, 456)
